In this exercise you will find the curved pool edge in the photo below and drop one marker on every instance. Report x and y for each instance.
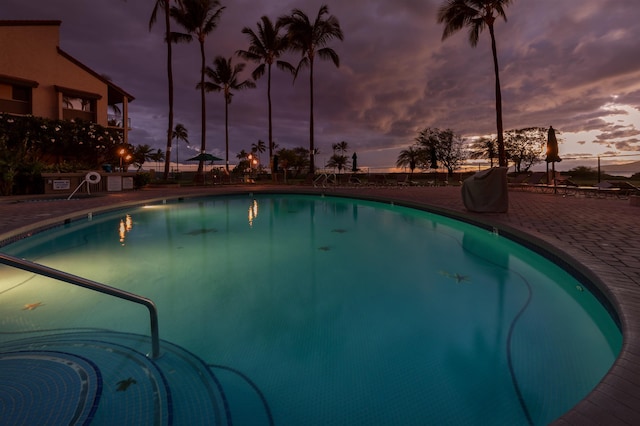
(615, 398)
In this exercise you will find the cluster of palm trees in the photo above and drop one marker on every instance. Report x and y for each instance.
(295, 32)
(339, 159)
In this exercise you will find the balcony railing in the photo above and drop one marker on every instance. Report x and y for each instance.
(15, 107)
(116, 121)
(76, 114)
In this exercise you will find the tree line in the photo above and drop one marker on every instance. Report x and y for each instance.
(434, 148)
(267, 43)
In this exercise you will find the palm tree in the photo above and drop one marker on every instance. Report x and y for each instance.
(338, 161)
(157, 156)
(224, 78)
(165, 4)
(265, 48)
(309, 38)
(410, 157)
(199, 18)
(258, 148)
(141, 154)
(483, 148)
(478, 15)
(180, 133)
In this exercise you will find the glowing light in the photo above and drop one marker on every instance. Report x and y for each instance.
(253, 212)
(126, 225)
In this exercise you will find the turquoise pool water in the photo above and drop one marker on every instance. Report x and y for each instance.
(340, 311)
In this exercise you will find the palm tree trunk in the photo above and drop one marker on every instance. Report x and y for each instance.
(226, 129)
(312, 165)
(203, 130)
(167, 20)
(270, 123)
(502, 159)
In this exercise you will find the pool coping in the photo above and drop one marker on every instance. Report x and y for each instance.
(616, 398)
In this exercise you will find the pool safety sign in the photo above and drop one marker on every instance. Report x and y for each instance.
(61, 184)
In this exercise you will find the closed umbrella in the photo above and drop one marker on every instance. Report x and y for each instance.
(552, 147)
(552, 154)
(354, 162)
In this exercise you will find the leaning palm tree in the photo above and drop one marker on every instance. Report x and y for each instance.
(166, 4)
(180, 133)
(265, 47)
(198, 18)
(478, 15)
(309, 38)
(224, 78)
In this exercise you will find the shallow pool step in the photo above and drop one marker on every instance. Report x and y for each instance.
(105, 378)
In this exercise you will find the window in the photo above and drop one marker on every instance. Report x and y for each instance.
(21, 93)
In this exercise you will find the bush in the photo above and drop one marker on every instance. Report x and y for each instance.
(141, 180)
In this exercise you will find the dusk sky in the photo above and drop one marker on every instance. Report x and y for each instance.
(573, 64)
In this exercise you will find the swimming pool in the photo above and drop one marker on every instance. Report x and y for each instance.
(339, 310)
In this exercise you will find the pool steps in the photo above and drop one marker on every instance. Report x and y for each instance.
(106, 378)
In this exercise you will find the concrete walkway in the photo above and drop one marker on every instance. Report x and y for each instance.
(598, 237)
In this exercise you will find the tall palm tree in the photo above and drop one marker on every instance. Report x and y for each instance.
(180, 133)
(224, 78)
(165, 5)
(310, 39)
(265, 47)
(478, 15)
(198, 18)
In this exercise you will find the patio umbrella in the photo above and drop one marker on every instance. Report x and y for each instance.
(205, 157)
(552, 155)
(354, 163)
(552, 147)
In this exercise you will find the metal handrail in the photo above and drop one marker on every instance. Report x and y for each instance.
(36, 268)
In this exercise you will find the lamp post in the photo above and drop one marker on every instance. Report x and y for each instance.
(124, 156)
(122, 152)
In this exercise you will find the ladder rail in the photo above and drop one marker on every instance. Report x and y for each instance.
(46, 271)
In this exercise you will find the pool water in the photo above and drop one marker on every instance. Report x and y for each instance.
(340, 311)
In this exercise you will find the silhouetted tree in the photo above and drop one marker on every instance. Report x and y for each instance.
(199, 18)
(309, 38)
(477, 15)
(166, 6)
(224, 78)
(410, 157)
(180, 133)
(445, 144)
(265, 47)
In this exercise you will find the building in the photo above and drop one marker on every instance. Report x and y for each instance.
(37, 77)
